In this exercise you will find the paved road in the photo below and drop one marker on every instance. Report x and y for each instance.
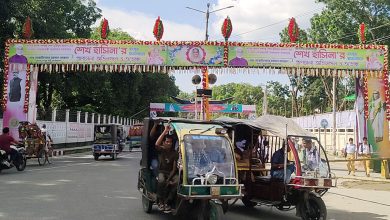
(77, 187)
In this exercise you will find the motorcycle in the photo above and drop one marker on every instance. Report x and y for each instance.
(20, 161)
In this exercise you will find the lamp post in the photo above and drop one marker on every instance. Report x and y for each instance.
(208, 12)
(265, 102)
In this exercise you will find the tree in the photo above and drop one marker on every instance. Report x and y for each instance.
(245, 94)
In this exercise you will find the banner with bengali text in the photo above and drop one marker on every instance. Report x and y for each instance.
(306, 57)
(201, 55)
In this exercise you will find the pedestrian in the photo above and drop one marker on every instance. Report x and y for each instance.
(365, 152)
(350, 150)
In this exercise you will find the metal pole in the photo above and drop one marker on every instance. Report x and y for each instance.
(207, 21)
(334, 115)
(196, 102)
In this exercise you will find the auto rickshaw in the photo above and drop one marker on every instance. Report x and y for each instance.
(135, 135)
(108, 141)
(206, 181)
(312, 177)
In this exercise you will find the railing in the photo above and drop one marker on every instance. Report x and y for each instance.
(65, 126)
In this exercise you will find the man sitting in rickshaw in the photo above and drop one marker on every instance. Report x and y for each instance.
(167, 170)
(311, 157)
(277, 164)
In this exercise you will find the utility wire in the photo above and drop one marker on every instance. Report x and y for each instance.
(279, 22)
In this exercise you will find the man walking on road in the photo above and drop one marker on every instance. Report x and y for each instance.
(350, 150)
(365, 152)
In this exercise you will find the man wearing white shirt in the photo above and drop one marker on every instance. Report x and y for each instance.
(350, 150)
(365, 152)
(311, 156)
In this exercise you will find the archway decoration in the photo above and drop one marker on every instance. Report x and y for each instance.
(25, 57)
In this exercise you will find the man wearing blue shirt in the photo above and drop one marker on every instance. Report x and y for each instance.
(277, 165)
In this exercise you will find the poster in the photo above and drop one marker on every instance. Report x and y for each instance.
(16, 92)
(377, 125)
(201, 55)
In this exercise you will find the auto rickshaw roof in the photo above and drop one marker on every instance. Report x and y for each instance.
(271, 123)
(194, 127)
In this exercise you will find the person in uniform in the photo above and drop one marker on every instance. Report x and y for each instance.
(350, 150)
(365, 152)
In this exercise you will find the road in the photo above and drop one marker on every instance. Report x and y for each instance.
(76, 187)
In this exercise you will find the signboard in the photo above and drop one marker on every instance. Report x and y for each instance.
(328, 58)
(182, 54)
(222, 108)
(324, 123)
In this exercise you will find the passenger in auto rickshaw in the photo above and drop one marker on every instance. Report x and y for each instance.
(167, 170)
(277, 164)
(310, 155)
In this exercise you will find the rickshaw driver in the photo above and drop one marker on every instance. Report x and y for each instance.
(277, 165)
(167, 169)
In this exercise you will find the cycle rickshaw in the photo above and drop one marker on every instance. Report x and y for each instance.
(34, 142)
(204, 188)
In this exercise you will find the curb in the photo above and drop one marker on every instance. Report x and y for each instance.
(62, 152)
(364, 179)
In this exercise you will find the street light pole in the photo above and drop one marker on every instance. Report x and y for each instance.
(207, 13)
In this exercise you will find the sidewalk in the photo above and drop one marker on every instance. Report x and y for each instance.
(71, 150)
(341, 171)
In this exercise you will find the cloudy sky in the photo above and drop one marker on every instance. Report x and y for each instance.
(253, 20)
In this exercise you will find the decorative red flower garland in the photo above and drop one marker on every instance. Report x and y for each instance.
(365, 94)
(27, 28)
(385, 79)
(362, 33)
(27, 89)
(227, 28)
(158, 29)
(5, 83)
(293, 30)
(105, 29)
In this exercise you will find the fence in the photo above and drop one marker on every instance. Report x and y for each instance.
(66, 127)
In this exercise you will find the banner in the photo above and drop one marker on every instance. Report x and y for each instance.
(221, 108)
(359, 110)
(94, 54)
(15, 82)
(213, 54)
(184, 55)
(328, 58)
(377, 125)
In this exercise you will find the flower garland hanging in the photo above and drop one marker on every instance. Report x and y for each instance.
(27, 28)
(158, 29)
(227, 28)
(5, 82)
(27, 89)
(362, 33)
(293, 30)
(105, 29)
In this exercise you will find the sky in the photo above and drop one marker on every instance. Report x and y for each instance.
(253, 20)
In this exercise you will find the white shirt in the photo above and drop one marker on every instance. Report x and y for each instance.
(312, 158)
(350, 148)
(365, 149)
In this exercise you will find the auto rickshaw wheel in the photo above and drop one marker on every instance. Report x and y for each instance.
(210, 211)
(313, 209)
(248, 203)
(146, 204)
(96, 156)
(42, 157)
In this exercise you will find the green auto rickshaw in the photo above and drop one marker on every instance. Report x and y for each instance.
(206, 168)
